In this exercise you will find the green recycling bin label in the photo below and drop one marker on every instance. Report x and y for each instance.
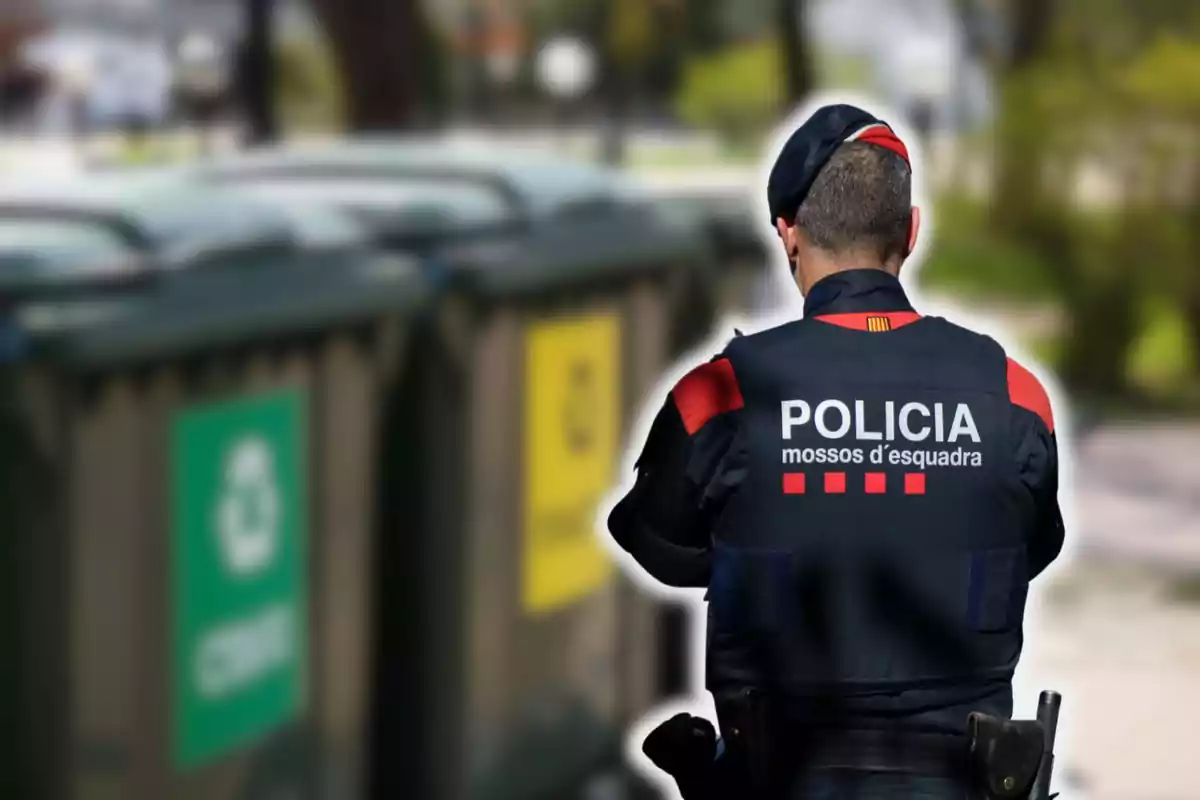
(238, 540)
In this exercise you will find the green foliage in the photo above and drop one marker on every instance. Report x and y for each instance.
(706, 30)
(1048, 350)
(1163, 356)
(843, 71)
(1119, 93)
(309, 88)
(1103, 265)
(1165, 80)
(1118, 30)
(630, 32)
(547, 17)
(969, 259)
(737, 92)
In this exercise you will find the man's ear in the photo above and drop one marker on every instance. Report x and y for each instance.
(787, 236)
(914, 228)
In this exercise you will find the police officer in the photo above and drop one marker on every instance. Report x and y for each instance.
(865, 493)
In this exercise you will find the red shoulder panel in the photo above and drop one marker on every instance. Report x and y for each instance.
(1026, 391)
(708, 390)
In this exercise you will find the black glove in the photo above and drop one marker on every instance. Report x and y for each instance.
(685, 747)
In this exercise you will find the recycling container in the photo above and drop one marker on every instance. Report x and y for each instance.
(733, 280)
(550, 266)
(514, 653)
(189, 518)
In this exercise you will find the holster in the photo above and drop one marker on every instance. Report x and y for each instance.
(750, 743)
(1005, 756)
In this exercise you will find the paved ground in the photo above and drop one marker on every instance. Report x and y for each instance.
(1127, 660)
(1138, 492)
(1114, 629)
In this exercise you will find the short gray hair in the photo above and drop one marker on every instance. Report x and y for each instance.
(861, 200)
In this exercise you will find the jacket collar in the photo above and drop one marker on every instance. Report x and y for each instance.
(856, 291)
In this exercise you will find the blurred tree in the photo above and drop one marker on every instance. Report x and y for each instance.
(255, 73)
(685, 29)
(630, 34)
(668, 58)
(1009, 34)
(1096, 91)
(22, 88)
(1029, 25)
(387, 58)
(739, 93)
(1101, 289)
(799, 69)
(1061, 115)
(477, 100)
(628, 41)
(706, 30)
(672, 33)
(309, 94)
(1161, 92)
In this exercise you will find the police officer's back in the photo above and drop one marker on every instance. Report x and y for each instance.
(865, 492)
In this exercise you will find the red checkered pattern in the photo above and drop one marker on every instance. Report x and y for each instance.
(835, 483)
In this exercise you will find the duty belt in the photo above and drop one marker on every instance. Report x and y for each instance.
(931, 755)
(998, 759)
(768, 745)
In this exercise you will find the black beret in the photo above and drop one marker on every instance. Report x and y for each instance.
(810, 147)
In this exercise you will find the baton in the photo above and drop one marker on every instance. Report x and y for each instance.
(1047, 715)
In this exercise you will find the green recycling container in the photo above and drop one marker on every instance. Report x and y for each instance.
(562, 284)
(188, 468)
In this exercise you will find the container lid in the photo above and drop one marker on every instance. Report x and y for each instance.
(190, 313)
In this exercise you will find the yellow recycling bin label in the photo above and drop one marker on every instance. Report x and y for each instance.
(572, 402)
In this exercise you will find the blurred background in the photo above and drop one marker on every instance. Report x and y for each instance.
(324, 324)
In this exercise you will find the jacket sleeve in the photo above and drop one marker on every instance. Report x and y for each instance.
(663, 522)
(1037, 462)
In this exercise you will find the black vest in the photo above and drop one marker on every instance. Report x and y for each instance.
(869, 561)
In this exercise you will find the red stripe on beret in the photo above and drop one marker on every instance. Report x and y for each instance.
(882, 136)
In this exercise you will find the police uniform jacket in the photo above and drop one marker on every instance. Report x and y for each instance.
(865, 493)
